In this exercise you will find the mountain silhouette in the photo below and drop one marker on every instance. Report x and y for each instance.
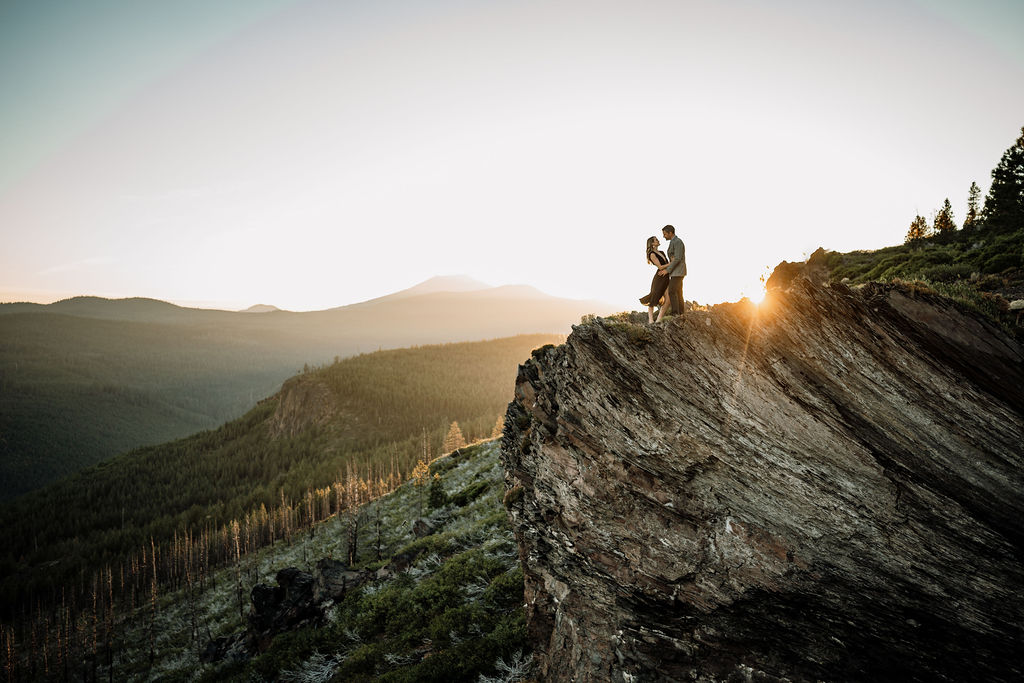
(87, 377)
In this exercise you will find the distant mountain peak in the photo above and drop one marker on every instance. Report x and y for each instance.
(261, 308)
(445, 283)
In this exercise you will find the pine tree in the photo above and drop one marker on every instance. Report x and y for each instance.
(918, 230)
(437, 497)
(971, 219)
(420, 476)
(1004, 204)
(944, 222)
(236, 538)
(454, 440)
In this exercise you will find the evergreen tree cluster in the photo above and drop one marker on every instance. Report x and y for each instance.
(1004, 204)
(1003, 211)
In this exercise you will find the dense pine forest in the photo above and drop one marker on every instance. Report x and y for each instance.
(333, 437)
(76, 390)
(85, 379)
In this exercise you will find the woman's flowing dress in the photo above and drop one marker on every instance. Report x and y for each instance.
(660, 282)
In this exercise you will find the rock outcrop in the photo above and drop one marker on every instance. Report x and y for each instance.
(298, 600)
(334, 580)
(306, 402)
(285, 607)
(815, 269)
(276, 609)
(828, 487)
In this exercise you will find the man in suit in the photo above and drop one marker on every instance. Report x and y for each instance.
(675, 269)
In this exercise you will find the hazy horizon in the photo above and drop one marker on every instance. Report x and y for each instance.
(238, 307)
(308, 154)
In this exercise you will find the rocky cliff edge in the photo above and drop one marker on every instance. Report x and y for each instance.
(826, 487)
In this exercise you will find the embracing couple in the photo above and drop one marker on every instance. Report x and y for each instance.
(671, 271)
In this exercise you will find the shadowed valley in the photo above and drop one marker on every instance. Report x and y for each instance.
(84, 379)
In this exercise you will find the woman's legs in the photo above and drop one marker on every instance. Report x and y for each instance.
(661, 312)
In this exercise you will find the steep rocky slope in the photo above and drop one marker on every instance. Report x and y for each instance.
(828, 487)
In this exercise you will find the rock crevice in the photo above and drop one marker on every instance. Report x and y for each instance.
(828, 486)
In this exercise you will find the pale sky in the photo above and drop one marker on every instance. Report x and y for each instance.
(309, 154)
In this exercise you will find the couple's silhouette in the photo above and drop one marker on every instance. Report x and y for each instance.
(668, 280)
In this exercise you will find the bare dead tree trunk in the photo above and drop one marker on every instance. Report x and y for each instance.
(95, 627)
(46, 646)
(377, 523)
(9, 652)
(238, 566)
(110, 624)
(152, 602)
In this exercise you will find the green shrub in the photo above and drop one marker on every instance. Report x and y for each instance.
(1002, 262)
(990, 305)
(446, 624)
(364, 660)
(436, 497)
(506, 590)
(470, 493)
(439, 543)
(455, 622)
(946, 272)
(444, 464)
(987, 283)
(289, 649)
(638, 335)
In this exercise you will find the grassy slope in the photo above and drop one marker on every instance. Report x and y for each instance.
(463, 595)
(384, 403)
(982, 270)
(938, 259)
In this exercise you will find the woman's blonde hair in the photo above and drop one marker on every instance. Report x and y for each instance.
(650, 247)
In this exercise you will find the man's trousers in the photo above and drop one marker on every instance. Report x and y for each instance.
(675, 295)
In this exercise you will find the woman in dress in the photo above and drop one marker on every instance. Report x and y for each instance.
(660, 282)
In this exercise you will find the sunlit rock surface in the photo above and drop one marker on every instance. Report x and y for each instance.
(828, 487)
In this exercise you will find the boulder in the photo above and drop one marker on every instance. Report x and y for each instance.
(402, 561)
(285, 607)
(422, 527)
(334, 580)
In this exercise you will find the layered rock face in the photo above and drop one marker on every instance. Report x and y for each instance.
(828, 487)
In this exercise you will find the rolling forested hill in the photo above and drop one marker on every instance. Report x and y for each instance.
(76, 390)
(84, 379)
(369, 418)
